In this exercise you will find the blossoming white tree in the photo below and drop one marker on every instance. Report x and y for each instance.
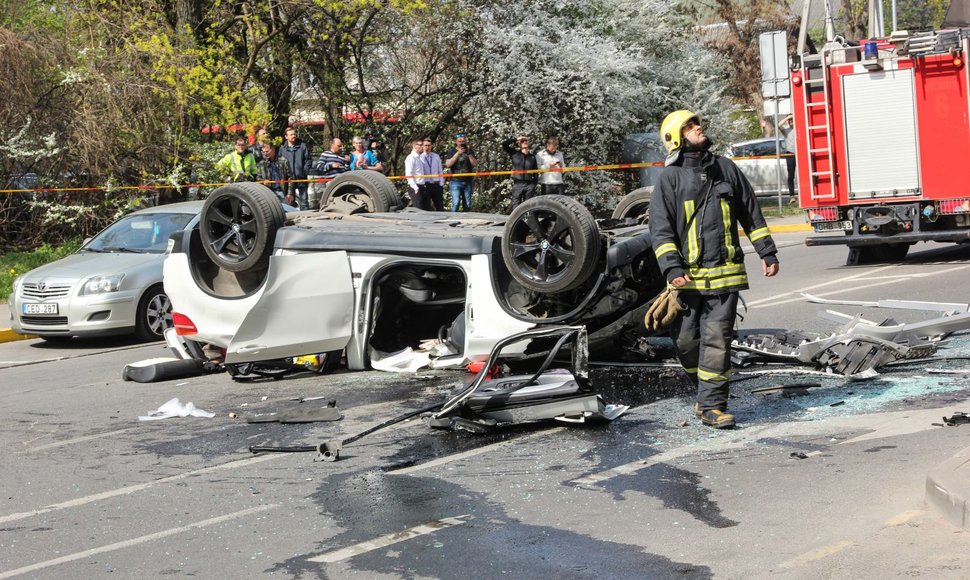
(590, 73)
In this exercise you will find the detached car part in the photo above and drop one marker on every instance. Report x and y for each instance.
(561, 396)
(845, 354)
(487, 403)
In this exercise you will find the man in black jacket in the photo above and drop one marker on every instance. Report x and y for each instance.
(523, 184)
(297, 155)
(694, 213)
(277, 174)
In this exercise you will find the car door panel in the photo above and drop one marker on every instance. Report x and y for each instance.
(486, 320)
(306, 307)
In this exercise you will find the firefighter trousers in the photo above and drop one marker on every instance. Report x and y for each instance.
(702, 334)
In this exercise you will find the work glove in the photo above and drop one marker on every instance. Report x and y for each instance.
(664, 309)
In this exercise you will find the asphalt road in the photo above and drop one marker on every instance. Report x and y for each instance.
(91, 492)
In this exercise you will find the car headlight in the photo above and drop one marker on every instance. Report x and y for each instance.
(102, 284)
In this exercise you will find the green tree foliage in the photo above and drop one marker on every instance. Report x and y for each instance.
(733, 33)
(111, 92)
(915, 15)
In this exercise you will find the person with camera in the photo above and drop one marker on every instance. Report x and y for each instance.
(376, 148)
(461, 159)
(551, 159)
(523, 161)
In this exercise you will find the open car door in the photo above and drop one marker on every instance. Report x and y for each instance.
(307, 307)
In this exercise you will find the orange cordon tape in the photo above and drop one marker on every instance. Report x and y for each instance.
(572, 169)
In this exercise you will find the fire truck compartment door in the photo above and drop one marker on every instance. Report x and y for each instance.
(882, 155)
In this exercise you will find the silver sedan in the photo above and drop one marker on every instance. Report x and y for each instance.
(758, 162)
(112, 285)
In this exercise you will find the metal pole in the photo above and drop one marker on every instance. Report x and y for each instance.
(778, 154)
(894, 15)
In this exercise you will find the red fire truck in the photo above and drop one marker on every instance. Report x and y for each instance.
(883, 135)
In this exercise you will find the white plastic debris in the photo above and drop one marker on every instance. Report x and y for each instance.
(175, 408)
(404, 361)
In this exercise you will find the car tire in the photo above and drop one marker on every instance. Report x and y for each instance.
(238, 226)
(635, 204)
(153, 315)
(371, 191)
(551, 244)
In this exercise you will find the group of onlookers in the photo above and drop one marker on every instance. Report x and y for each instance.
(285, 168)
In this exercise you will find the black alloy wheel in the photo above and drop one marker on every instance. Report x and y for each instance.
(551, 244)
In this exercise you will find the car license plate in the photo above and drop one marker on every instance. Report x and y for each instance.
(833, 226)
(40, 308)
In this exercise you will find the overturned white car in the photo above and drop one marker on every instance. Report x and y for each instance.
(249, 287)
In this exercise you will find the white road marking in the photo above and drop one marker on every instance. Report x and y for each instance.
(471, 453)
(134, 541)
(133, 488)
(822, 294)
(903, 518)
(839, 281)
(815, 555)
(868, 275)
(389, 539)
(73, 441)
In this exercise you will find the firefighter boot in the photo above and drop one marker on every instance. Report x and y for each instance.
(698, 411)
(718, 419)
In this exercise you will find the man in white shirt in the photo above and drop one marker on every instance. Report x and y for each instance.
(413, 171)
(551, 158)
(434, 186)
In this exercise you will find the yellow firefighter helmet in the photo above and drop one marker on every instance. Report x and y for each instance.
(671, 128)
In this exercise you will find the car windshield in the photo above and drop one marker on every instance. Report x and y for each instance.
(139, 233)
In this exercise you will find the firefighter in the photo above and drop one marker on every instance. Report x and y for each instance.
(694, 212)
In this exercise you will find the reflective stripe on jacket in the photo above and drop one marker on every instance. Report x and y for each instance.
(695, 210)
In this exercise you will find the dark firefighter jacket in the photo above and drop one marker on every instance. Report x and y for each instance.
(694, 214)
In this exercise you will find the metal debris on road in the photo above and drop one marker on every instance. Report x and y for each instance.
(859, 346)
(791, 389)
(957, 419)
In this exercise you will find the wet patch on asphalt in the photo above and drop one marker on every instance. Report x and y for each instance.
(489, 544)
